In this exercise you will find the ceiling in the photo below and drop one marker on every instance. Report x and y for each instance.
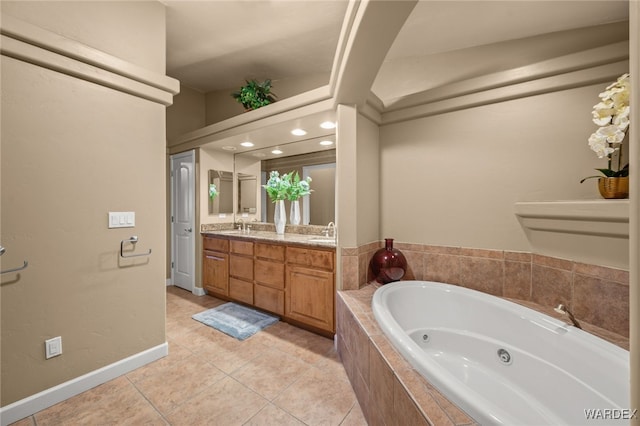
(215, 45)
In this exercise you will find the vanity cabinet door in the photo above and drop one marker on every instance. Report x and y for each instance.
(310, 297)
(215, 272)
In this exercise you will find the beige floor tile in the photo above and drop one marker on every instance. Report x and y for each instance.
(272, 415)
(115, 402)
(176, 354)
(178, 383)
(271, 373)
(225, 403)
(298, 370)
(355, 417)
(317, 398)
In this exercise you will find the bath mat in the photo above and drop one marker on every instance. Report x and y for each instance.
(236, 320)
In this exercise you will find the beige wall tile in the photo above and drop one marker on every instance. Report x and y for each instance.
(483, 274)
(602, 303)
(550, 286)
(517, 280)
(442, 268)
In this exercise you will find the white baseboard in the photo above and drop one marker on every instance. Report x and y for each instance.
(169, 282)
(37, 402)
(198, 291)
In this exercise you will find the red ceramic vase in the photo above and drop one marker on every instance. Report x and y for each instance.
(388, 264)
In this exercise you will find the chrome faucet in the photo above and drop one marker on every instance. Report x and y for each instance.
(241, 226)
(561, 309)
(330, 230)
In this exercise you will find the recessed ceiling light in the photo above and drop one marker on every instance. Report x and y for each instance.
(229, 148)
(326, 143)
(298, 132)
(247, 144)
(328, 125)
(276, 151)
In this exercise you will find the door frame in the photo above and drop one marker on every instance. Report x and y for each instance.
(189, 155)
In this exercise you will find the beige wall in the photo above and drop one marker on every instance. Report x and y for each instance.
(72, 151)
(452, 179)
(187, 112)
(131, 30)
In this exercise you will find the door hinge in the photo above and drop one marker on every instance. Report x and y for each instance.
(171, 219)
(171, 265)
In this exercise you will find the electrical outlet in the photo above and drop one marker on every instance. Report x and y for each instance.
(53, 347)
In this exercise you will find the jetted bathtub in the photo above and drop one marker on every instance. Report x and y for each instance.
(503, 363)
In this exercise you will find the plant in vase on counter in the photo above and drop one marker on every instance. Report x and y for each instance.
(612, 115)
(277, 186)
(299, 188)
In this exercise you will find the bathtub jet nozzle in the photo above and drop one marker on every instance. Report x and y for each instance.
(561, 309)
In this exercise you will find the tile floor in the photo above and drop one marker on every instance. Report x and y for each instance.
(281, 376)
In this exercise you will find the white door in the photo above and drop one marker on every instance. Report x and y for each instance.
(183, 220)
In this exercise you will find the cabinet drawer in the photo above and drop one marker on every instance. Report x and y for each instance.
(215, 244)
(241, 290)
(269, 299)
(270, 251)
(241, 247)
(241, 267)
(270, 273)
(310, 257)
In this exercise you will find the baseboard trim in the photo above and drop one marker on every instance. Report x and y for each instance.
(168, 282)
(198, 291)
(41, 400)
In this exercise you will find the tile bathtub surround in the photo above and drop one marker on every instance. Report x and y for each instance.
(598, 295)
(282, 375)
(389, 391)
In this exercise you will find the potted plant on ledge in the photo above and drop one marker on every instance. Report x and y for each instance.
(612, 114)
(255, 95)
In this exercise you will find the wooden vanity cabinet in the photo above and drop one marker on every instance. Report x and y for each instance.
(310, 284)
(269, 288)
(215, 266)
(241, 271)
(293, 281)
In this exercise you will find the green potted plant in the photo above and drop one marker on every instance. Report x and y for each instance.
(254, 95)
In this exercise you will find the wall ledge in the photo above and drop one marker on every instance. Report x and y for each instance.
(588, 217)
(29, 43)
(589, 231)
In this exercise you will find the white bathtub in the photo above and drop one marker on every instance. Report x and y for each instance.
(503, 363)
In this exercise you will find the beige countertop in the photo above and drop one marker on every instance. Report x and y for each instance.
(287, 238)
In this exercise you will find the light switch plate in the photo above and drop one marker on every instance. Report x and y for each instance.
(122, 219)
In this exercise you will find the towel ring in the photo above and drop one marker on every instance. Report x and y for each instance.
(19, 268)
(133, 240)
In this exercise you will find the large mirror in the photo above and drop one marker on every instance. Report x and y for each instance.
(318, 208)
(221, 185)
(247, 193)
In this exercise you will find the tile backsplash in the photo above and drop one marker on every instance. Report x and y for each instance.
(598, 295)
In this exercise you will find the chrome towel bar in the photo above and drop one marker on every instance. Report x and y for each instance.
(133, 240)
(19, 268)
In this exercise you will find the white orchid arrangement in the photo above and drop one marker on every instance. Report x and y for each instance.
(287, 186)
(612, 115)
(213, 191)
